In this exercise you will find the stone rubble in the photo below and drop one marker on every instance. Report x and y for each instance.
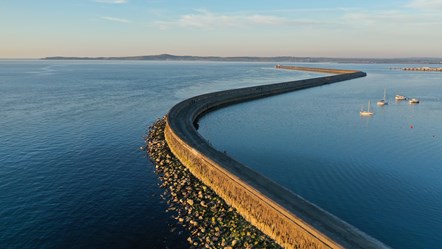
(210, 221)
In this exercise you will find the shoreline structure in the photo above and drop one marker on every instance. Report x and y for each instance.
(425, 69)
(290, 220)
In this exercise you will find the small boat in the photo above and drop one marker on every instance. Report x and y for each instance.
(413, 101)
(400, 97)
(367, 112)
(384, 101)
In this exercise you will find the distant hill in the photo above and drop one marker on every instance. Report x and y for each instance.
(169, 57)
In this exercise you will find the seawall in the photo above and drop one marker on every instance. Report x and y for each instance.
(318, 70)
(283, 215)
(423, 69)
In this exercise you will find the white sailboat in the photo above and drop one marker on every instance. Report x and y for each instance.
(383, 101)
(367, 112)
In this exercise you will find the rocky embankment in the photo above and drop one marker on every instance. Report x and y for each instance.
(210, 221)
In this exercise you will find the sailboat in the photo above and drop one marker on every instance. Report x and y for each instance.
(367, 112)
(383, 101)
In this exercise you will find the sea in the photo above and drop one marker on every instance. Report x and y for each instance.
(382, 174)
(73, 173)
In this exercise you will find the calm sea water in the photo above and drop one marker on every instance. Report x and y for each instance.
(383, 174)
(71, 172)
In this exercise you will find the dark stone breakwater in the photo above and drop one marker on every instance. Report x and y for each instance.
(211, 222)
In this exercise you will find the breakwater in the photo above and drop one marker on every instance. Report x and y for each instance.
(317, 70)
(286, 217)
(209, 220)
(425, 69)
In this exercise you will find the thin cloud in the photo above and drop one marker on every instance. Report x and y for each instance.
(426, 4)
(385, 17)
(206, 19)
(309, 10)
(112, 1)
(265, 20)
(115, 19)
(393, 18)
(203, 19)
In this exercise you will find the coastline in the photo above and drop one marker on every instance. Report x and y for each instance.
(290, 59)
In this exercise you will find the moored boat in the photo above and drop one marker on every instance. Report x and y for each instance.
(381, 103)
(400, 97)
(367, 112)
(414, 101)
(384, 101)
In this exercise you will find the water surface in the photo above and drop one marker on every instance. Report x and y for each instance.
(71, 172)
(382, 174)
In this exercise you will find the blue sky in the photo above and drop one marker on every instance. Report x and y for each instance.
(375, 28)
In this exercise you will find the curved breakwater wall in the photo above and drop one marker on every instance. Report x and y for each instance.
(286, 217)
(318, 70)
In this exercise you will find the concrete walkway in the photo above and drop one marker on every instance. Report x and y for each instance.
(278, 212)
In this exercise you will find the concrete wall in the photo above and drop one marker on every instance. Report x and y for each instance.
(292, 221)
(319, 70)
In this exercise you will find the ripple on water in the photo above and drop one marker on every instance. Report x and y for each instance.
(380, 173)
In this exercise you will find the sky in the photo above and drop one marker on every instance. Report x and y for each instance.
(317, 28)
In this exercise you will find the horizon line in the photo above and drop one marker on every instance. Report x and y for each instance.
(134, 57)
